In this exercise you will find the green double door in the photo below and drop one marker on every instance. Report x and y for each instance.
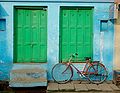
(30, 35)
(76, 32)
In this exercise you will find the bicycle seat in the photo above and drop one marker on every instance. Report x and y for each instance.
(87, 58)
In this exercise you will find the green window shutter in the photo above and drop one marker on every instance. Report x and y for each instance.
(76, 33)
(80, 34)
(30, 40)
(64, 37)
(35, 35)
(20, 36)
(28, 36)
(43, 38)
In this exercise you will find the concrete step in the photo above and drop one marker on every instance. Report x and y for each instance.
(28, 77)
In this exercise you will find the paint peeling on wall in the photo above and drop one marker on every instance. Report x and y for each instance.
(101, 45)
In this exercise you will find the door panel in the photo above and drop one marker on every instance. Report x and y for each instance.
(76, 32)
(30, 35)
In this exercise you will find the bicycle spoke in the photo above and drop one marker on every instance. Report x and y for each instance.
(61, 73)
(97, 73)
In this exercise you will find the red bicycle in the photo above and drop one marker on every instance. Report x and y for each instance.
(95, 72)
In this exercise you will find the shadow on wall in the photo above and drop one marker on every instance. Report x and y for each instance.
(3, 13)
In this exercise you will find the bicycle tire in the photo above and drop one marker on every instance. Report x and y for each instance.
(62, 73)
(97, 73)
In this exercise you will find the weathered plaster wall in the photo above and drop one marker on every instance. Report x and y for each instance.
(101, 11)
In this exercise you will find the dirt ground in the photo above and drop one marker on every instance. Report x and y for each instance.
(4, 88)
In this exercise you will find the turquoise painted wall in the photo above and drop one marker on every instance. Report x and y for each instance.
(103, 42)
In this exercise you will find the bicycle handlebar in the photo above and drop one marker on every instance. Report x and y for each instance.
(75, 54)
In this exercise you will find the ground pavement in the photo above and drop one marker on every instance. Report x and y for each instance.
(84, 87)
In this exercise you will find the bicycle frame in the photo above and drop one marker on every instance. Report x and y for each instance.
(89, 69)
(85, 68)
(81, 72)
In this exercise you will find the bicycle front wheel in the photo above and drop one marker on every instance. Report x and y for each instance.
(97, 73)
(62, 73)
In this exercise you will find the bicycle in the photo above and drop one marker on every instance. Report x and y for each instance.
(95, 71)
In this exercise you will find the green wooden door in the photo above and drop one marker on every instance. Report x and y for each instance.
(30, 38)
(76, 29)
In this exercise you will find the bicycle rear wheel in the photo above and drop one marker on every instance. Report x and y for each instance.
(97, 73)
(62, 73)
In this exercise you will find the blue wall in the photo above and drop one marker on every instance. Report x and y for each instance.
(102, 42)
(63, 0)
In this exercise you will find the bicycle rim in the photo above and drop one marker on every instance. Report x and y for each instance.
(97, 73)
(61, 73)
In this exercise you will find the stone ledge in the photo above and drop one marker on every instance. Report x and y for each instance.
(80, 87)
(76, 87)
(52, 87)
(66, 87)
